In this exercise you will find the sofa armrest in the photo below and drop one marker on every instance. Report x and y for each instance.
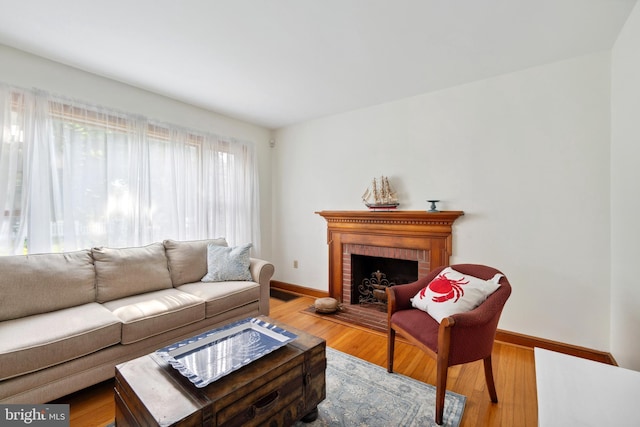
(262, 271)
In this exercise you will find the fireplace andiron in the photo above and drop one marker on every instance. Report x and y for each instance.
(372, 291)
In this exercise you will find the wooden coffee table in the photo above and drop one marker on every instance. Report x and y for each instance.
(276, 390)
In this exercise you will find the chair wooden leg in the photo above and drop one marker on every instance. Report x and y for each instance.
(491, 385)
(391, 340)
(441, 389)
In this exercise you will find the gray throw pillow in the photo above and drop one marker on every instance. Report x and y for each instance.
(228, 263)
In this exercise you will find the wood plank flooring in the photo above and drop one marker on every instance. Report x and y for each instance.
(513, 369)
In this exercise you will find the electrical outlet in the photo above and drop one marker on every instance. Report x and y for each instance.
(295, 263)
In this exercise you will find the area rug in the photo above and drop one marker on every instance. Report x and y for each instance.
(360, 393)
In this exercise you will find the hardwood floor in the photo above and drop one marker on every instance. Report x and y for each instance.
(513, 369)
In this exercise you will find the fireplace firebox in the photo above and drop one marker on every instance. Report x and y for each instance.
(372, 275)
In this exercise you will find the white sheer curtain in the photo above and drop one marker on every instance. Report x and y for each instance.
(75, 176)
(17, 126)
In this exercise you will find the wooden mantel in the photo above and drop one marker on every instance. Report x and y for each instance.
(421, 230)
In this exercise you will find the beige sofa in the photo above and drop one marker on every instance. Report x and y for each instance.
(66, 319)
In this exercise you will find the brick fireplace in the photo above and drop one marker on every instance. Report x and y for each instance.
(425, 237)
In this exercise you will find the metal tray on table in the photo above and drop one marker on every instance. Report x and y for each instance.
(213, 354)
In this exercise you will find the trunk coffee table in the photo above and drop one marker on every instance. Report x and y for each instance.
(277, 389)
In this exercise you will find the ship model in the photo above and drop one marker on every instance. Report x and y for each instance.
(380, 195)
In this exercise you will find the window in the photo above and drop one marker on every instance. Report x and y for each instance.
(74, 176)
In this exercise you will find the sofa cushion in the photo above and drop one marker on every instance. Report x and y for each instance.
(39, 283)
(155, 312)
(36, 342)
(188, 259)
(225, 263)
(223, 296)
(130, 271)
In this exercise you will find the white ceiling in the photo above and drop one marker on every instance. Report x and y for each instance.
(280, 62)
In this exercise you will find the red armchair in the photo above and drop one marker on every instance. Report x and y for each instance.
(458, 339)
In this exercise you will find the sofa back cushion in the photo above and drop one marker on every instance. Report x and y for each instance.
(130, 271)
(188, 259)
(40, 283)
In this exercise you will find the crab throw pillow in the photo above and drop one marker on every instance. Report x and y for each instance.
(452, 292)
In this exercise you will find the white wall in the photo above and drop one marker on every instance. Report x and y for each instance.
(625, 194)
(25, 70)
(524, 155)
